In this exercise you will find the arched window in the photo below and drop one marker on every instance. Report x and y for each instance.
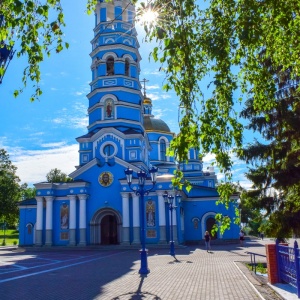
(109, 150)
(127, 67)
(163, 150)
(29, 228)
(110, 66)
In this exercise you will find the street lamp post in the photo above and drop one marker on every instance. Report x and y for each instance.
(170, 200)
(141, 192)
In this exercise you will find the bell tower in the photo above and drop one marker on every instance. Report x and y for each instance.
(115, 99)
(115, 110)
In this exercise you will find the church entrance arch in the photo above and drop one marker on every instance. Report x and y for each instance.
(210, 222)
(207, 223)
(105, 227)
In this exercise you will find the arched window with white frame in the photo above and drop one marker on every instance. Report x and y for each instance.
(162, 150)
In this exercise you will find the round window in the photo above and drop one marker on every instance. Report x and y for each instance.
(108, 150)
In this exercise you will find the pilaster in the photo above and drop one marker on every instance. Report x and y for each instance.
(39, 221)
(72, 224)
(125, 217)
(82, 219)
(49, 220)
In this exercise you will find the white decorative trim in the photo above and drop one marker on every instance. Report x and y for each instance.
(109, 82)
(108, 54)
(129, 57)
(109, 143)
(133, 154)
(117, 89)
(108, 96)
(128, 83)
(109, 40)
(128, 41)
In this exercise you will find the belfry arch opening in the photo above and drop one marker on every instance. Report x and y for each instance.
(110, 66)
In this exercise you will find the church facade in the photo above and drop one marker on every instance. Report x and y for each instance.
(98, 207)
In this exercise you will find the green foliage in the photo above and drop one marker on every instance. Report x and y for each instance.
(33, 28)
(10, 190)
(275, 171)
(56, 175)
(223, 39)
(9, 237)
(259, 268)
(27, 193)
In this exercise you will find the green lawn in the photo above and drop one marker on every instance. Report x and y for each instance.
(11, 237)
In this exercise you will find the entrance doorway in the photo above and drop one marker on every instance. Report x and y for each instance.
(210, 222)
(109, 232)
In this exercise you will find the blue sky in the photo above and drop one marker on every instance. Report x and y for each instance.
(40, 136)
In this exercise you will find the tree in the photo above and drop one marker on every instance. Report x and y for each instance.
(56, 175)
(275, 170)
(10, 190)
(223, 39)
(27, 192)
(33, 28)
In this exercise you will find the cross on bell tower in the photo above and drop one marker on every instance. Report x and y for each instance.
(144, 88)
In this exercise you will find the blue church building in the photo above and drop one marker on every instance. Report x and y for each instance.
(98, 207)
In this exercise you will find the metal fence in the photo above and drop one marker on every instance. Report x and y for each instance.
(288, 260)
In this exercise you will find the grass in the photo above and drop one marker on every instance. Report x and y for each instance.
(260, 268)
(11, 237)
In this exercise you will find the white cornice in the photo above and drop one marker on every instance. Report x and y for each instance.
(113, 89)
(119, 103)
(60, 186)
(114, 47)
(114, 123)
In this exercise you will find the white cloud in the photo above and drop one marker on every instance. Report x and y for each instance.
(72, 118)
(153, 72)
(53, 145)
(39, 133)
(153, 96)
(33, 165)
(165, 96)
(58, 120)
(158, 113)
(152, 87)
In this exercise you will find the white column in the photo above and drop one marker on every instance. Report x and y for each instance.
(125, 217)
(161, 217)
(72, 218)
(39, 220)
(82, 219)
(49, 220)
(136, 219)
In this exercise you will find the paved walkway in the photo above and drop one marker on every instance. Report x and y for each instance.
(113, 274)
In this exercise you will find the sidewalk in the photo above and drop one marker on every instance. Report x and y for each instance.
(113, 274)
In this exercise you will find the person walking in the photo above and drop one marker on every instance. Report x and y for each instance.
(241, 234)
(207, 239)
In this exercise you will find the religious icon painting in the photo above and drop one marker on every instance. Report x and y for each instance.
(109, 107)
(196, 222)
(64, 216)
(150, 213)
(106, 179)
